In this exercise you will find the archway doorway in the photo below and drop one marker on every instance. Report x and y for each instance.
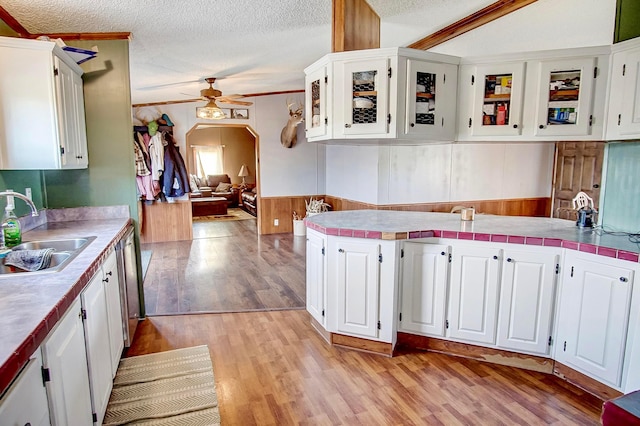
(229, 150)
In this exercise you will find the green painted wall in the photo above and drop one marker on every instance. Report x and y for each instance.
(6, 31)
(19, 180)
(627, 20)
(110, 178)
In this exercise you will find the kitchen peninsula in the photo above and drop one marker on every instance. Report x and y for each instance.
(537, 293)
(32, 304)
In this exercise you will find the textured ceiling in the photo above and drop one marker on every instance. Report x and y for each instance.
(251, 46)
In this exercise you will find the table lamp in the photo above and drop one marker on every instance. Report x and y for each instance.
(244, 172)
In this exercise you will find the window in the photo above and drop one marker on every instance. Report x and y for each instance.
(207, 160)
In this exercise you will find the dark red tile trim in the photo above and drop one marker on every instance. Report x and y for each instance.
(627, 255)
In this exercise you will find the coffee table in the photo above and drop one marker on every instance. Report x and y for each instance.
(208, 206)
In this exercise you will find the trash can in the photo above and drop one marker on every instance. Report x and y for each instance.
(299, 230)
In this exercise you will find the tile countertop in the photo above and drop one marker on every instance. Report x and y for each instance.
(31, 305)
(394, 225)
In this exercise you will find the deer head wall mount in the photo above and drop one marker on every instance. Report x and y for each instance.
(289, 134)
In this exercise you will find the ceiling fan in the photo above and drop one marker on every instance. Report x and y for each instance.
(211, 110)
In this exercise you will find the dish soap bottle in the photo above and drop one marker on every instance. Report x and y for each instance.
(10, 225)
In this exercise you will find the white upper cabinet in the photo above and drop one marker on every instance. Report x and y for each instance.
(565, 97)
(377, 94)
(624, 100)
(42, 122)
(498, 91)
(534, 96)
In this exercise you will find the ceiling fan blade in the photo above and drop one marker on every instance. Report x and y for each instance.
(226, 100)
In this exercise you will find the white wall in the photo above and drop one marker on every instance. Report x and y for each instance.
(352, 172)
(543, 25)
(283, 171)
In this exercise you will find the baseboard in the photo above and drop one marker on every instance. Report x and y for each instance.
(479, 353)
(364, 345)
(584, 382)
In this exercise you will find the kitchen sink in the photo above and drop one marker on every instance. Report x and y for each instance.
(64, 251)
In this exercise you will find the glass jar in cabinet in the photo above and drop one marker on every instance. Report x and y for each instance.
(565, 97)
(431, 94)
(316, 112)
(498, 99)
(365, 97)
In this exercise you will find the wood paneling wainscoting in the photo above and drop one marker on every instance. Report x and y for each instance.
(282, 208)
(166, 222)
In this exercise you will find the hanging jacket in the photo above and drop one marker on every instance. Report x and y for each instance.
(175, 180)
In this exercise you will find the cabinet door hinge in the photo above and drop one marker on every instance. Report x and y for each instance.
(388, 118)
(380, 258)
(473, 79)
(400, 319)
(564, 348)
(46, 375)
(326, 79)
(450, 258)
(55, 71)
(389, 72)
(590, 120)
(557, 268)
(401, 252)
(323, 251)
(470, 122)
(95, 417)
(323, 312)
(619, 118)
(550, 341)
(444, 78)
(595, 72)
(446, 324)
(379, 325)
(83, 314)
(326, 120)
(624, 69)
(62, 150)
(572, 272)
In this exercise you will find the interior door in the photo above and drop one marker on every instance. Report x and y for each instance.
(578, 168)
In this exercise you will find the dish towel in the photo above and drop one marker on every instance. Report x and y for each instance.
(29, 260)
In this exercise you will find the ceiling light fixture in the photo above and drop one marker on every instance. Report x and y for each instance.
(211, 111)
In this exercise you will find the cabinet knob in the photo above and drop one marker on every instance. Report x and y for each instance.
(541, 126)
(442, 253)
(340, 251)
(495, 257)
(515, 126)
(109, 273)
(106, 280)
(412, 125)
(624, 279)
(347, 125)
(509, 259)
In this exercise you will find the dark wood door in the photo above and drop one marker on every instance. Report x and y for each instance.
(578, 168)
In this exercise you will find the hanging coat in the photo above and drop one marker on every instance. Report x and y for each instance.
(175, 180)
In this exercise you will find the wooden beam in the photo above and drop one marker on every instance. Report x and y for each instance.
(355, 26)
(13, 23)
(86, 36)
(490, 13)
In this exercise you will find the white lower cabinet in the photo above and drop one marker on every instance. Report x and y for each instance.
(96, 327)
(64, 359)
(357, 283)
(424, 288)
(473, 293)
(527, 297)
(114, 310)
(316, 275)
(593, 315)
(25, 402)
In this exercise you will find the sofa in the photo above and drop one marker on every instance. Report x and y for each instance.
(214, 186)
(250, 201)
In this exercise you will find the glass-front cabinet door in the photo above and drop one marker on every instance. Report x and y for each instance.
(498, 99)
(564, 103)
(431, 98)
(316, 118)
(365, 89)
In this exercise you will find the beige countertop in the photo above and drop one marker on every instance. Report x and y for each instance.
(31, 304)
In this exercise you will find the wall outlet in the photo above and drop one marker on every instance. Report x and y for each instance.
(276, 222)
(27, 193)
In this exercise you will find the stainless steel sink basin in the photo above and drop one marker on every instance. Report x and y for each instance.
(65, 250)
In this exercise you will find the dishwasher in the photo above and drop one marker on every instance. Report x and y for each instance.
(129, 293)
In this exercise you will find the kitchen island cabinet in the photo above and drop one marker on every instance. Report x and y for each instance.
(504, 290)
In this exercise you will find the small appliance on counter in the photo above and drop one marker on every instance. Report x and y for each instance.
(585, 217)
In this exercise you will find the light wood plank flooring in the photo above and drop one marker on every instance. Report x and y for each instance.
(227, 267)
(272, 368)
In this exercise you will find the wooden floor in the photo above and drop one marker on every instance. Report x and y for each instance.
(227, 267)
(272, 368)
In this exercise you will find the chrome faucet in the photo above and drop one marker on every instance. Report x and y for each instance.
(34, 210)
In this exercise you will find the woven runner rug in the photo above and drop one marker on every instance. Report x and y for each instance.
(167, 388)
